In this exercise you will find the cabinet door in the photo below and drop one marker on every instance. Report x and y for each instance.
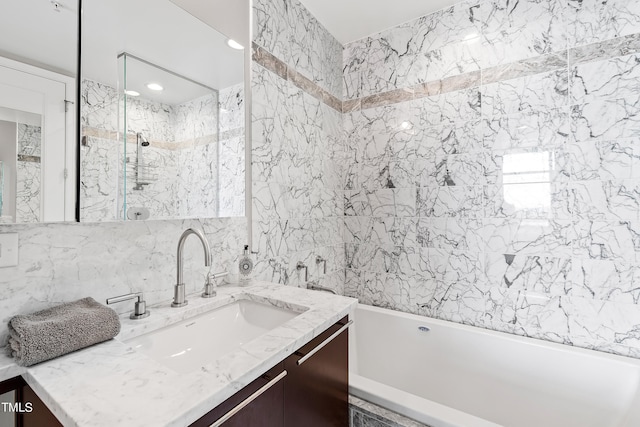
(40, 415)
(27, 410)
(317, 391)
(265, 411)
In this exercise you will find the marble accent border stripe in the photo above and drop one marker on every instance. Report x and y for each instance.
(545, 63)
(92, 132)
(275, 65)
(524, 68)
(233, 133)
(31, 159)
(613, 48)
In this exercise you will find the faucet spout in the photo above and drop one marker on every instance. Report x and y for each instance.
(179, 295)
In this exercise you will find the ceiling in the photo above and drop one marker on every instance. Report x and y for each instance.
(158, 31)
(36, 33)
(350, 20)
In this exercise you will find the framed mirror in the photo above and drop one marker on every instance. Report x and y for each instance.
(162, 114)
(38, 65)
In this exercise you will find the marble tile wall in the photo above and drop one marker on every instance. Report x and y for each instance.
(231, 160)
(64, 262)
(297, 146)
(28, 173)
(493, 174)
(183, 156)
(287, 30)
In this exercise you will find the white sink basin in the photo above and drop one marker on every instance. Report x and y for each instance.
(192, 343)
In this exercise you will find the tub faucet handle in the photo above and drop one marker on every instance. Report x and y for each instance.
(302, 265)
(323, 261)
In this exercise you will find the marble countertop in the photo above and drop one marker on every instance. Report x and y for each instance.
(110, 384)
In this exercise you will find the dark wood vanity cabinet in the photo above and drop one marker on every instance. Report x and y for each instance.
(266, 410)
(316, 391)
(26, 410)
(313, 393)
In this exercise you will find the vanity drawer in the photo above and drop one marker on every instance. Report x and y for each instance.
(267, 410)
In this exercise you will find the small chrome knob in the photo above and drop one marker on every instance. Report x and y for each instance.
(140, 307)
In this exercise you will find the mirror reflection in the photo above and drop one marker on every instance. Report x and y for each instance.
(38, 62)
(20, 157)
(162, 126)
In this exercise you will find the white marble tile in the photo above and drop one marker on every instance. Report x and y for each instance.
(529, 236)
(605, 119)
(386, 202)
(100, 163)
(450, 157)
(450, 201)
(605, 280)
(591, 21)
(29, 140)
(432, 47)
(457, 233)
(526, 29)
(526, 94)
(99, 106)
(615, 78)
(385, 290)
(606, 200)
(28, 192)
(527, 129)
(65, 262)
(542, 274)
(395, 231)
(607, 240)
(602, 160)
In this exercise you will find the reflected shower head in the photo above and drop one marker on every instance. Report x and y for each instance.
(142, 140)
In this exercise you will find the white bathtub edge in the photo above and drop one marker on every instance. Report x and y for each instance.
(404, 403)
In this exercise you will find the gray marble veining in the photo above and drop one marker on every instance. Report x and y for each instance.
(182, 157)
(514, 126)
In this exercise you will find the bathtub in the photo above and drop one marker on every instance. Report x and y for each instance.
(444, 374)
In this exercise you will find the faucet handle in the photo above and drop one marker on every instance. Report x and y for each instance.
(209, 288)
(140, 307)
(210, 285)
(301, 265)
(320, 260)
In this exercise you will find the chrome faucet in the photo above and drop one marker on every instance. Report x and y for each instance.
(179, 295)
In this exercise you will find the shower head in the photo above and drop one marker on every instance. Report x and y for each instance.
(142, 140)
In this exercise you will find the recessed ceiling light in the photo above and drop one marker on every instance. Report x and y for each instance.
(132, 93)
(234, 44)
(155, 86)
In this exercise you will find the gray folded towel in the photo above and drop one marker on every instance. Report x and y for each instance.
(59, 330)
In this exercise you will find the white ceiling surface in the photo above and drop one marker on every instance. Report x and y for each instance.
(34, 32)
(350, 20)
(230, 17)
(158, 31)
